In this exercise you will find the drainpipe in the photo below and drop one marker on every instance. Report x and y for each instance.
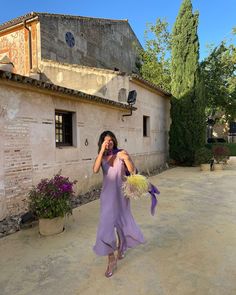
(30, 45)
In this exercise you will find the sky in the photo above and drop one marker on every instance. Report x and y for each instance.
(216, 17)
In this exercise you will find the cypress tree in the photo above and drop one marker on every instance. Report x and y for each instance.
(187, 131)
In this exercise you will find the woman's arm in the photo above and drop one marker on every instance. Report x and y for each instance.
(123, 155)
(98, 161)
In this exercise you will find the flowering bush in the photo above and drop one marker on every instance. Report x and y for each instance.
(52, 197)
(220, 153)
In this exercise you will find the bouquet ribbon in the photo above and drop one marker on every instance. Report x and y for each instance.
(153, 191)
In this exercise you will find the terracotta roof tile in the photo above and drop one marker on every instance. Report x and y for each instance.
(150, 84)
(30, 15)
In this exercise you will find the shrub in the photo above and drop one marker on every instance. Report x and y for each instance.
(52, 197)
(220, 153)
(231, 146)
(203, 156)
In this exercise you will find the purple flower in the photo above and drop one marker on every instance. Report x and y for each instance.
(51, 197)
(66, 187)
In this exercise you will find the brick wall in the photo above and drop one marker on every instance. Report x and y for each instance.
(17, 166)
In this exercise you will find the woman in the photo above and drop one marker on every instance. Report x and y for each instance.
(115, 213)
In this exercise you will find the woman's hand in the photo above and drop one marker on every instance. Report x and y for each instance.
(124, 156)
(104, 146)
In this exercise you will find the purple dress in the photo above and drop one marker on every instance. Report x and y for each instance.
(115, 213)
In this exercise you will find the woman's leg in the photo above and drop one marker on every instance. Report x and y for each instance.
(120, 250)
(112, 265)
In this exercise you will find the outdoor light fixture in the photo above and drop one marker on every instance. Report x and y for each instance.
(131, 101)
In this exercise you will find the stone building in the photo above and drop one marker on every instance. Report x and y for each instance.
(94, 42)
(53, 106)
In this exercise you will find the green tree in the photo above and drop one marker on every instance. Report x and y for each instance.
(187, 131)
(155, 58)
(219, 73)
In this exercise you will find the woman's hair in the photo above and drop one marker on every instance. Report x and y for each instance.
(102, 137)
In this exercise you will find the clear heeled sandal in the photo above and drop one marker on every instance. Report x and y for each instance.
(120, 255)
(112, 266)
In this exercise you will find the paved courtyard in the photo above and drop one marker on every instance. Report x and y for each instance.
(190, 245)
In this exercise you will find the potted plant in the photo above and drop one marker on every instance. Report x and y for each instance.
(50, 201)
(221, 154)
(204, 157)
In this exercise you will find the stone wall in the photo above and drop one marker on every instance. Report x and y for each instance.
(97, 42)
(27, 139)
(101, 43)
(149, 103)
(103, 83)
(151, 150)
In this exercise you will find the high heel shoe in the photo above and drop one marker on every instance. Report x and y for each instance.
(112, 266)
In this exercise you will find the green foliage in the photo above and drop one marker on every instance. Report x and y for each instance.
(219, 74)
(230, 146)
(52, 197)
(155, 61)
(187, 132)
(185, 51)
(44, 207)
(203, 156)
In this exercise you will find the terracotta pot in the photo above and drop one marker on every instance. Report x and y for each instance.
(48, 227)
(205, 167)
(218, 166)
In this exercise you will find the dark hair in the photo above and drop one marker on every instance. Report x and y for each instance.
(102, 137)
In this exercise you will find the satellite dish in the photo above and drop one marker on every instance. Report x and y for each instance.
(131, 101)
(132, 97)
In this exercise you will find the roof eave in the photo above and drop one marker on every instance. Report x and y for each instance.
(16, 78)
(150, 85)
(17, 21)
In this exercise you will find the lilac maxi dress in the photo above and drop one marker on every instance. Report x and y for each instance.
(115, 213)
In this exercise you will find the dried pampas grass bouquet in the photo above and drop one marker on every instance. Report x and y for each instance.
(135, 186)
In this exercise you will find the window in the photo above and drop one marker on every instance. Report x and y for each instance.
(70, 39)
(64, 132)
(146, 126)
